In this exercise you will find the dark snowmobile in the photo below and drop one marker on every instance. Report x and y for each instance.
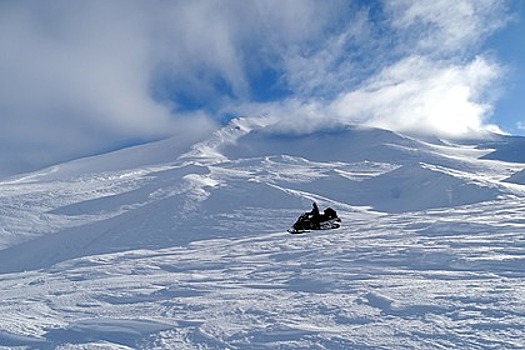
(313, 220)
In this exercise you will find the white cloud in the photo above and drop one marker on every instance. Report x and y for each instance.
(80, 77)
(337, 62)
(89, 62)
(420, 95)
(446, 25)
(74, 81)
(424, 78)
(415, 95)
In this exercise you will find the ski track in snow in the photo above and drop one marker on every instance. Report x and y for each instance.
(193, 253)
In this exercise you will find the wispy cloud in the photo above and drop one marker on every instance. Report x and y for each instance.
(422, 96)
(408, 66)
(80, 77)
(446, 26)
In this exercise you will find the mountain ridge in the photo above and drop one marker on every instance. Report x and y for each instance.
(246, 164)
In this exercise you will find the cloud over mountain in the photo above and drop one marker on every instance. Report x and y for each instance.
(79, 78)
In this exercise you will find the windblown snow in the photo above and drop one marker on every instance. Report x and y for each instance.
(183, 245)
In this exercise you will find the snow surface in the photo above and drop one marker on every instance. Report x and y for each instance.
(180, 245)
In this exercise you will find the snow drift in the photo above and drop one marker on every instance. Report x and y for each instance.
(183, 245)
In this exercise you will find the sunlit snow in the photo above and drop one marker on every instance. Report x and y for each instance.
(175, 245)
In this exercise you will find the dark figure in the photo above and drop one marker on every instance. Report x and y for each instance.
(315, 210)
(316, 215)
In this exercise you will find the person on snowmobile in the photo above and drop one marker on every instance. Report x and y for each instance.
(314, 220)
(316, 215)
(315, 209)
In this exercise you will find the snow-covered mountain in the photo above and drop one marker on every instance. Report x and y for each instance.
(182, 244)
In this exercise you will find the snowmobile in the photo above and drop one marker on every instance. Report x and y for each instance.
(313, 220)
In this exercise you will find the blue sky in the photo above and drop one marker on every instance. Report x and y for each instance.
(508, 45)
(84, 77)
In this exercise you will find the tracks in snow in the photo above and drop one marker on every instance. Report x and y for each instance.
(422, 280)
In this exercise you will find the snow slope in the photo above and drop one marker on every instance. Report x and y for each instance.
(175, 245)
